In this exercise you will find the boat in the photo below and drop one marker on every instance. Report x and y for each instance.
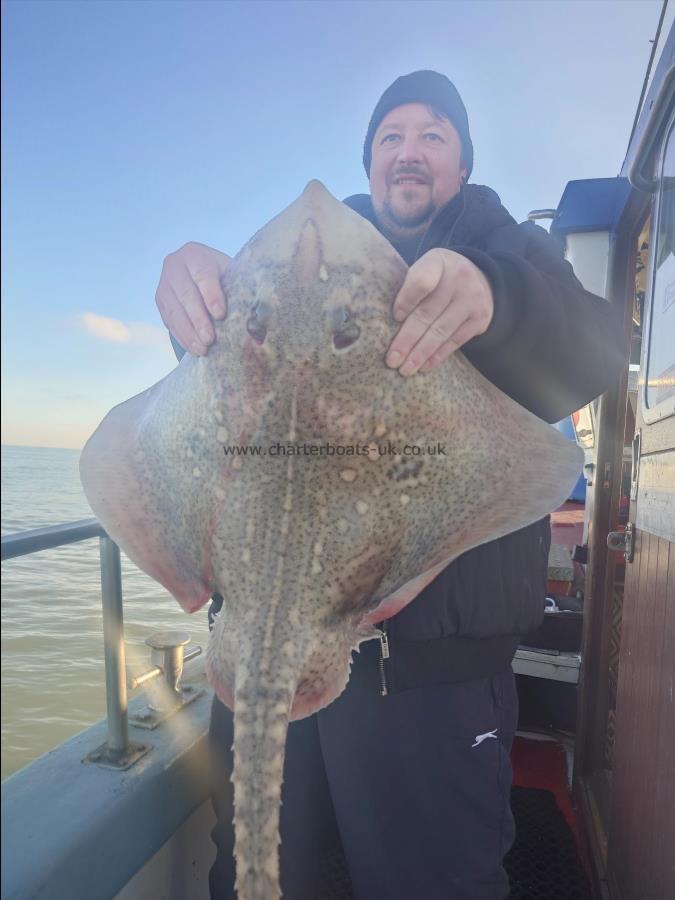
(122, 810)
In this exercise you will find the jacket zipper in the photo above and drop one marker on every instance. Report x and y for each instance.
(384, 638)
(384, 654)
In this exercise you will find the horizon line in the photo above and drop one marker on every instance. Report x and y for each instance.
(40, 446)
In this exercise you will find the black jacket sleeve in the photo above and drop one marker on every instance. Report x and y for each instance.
(551, 346)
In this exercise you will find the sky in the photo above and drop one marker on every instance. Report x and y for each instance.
(130, 127)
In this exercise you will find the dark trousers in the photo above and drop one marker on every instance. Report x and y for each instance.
(413, 786)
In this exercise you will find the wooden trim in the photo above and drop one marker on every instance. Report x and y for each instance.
(594, 839)
(640, 860)
(642, 831)
(606, 484)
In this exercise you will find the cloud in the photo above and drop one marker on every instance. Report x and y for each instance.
(119, 332)
(105, 328)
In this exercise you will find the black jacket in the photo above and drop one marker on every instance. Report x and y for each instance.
(551, 346)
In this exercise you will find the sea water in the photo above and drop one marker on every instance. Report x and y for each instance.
(53, 678)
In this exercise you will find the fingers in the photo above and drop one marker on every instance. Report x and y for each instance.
(443, 333)
(190, 294)
(422, 279)
(446, 311)
(463, 334)
(180, 325)
(433, 318)
(178, 320)
(206, 275)
(192, 302)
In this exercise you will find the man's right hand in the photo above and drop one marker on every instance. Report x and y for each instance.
(189, 295)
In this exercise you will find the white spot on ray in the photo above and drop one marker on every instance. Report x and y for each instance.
(405, 499)
(342, 525)
(221, 435)
(294, 415)
(318, 547)
(271, 869)
(246, 555)
(348, 474)
(317, 568)
(276, 733)
(323, 273)
(196, 472)
(361, 507)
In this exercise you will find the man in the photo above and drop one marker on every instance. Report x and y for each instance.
(409, 769)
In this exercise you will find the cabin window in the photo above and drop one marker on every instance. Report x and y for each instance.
(660, 374)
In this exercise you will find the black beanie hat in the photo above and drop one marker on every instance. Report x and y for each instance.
(428, 87)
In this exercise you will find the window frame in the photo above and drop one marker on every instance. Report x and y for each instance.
(666, 407)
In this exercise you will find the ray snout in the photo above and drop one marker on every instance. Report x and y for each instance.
(308, 256)
(315, 193)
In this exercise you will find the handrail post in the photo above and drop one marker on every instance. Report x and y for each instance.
(113, 636)
(117, 753)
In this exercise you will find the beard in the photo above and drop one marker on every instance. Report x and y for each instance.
(408, 217)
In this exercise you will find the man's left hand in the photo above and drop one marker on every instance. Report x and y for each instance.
(444, 301)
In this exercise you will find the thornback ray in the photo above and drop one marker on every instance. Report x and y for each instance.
(314, 529)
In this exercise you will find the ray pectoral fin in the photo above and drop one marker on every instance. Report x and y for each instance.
(395, 602)
(521, 480)
(118, 483)
(325, 675)
(532, 473)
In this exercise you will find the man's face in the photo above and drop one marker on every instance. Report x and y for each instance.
(416, 168)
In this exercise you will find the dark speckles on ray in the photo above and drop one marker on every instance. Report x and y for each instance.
(291, 612)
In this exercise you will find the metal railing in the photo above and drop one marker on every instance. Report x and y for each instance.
(25, 542)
